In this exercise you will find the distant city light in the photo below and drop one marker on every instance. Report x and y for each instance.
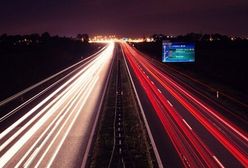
(105, 39)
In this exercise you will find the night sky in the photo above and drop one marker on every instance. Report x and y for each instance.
(124, 17)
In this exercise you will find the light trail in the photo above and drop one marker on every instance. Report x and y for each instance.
(47, 99)
(33, 139)
(233, 139)
(204, 118)
(82, 102)
(43, 81)
(55, 123)
(187, 144)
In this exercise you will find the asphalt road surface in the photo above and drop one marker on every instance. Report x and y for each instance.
(187, 131)
(56, 130)
(54, 127)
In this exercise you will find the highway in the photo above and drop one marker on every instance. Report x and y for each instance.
(187, 131)
(57, 128)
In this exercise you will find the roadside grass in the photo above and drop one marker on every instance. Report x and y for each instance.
(135, 136)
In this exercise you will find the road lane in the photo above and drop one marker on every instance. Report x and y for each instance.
(180, 141)
(166, 150)
(58, 131)
(12, 108)
(168, 87)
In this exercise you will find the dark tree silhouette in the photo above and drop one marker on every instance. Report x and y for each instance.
(45, 36)
(84, 37)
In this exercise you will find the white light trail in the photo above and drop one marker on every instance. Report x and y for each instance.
(54, 112)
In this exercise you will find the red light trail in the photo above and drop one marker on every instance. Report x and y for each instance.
(190, 147)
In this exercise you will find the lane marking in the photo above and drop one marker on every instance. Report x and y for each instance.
(19, 121)
(169, 103)
(97, 117)
(43, 81)
(120, 150)
(209, 110)
(38, 84)
(50, 106)
(74, 105)
(159, 91)
(81, 105)
(31, 158)
(217, 160)
(27, 135)
(154, 147)
(187, 124)
(57, 120)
